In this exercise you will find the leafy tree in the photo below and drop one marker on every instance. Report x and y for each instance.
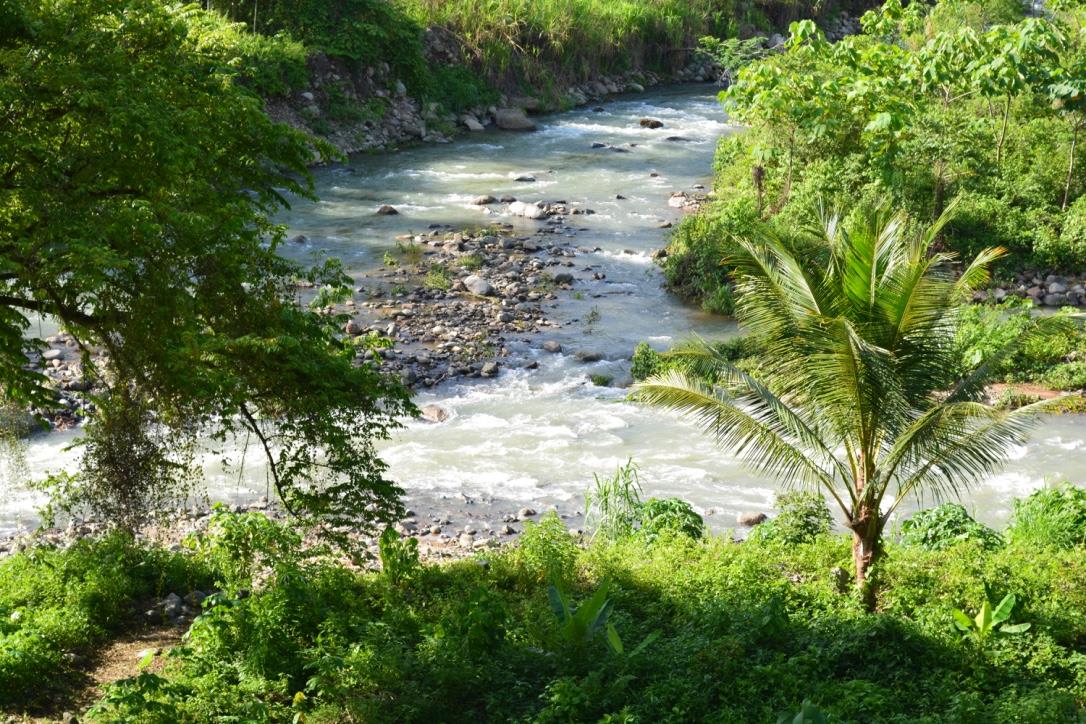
(857, 392)
(137, 186)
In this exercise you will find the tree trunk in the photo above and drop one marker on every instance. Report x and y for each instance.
(1070, 168)
(866, 528)
(1003, 133)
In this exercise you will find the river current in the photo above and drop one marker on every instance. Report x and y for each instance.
(535, 437)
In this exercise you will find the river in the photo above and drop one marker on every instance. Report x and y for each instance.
(536, 436)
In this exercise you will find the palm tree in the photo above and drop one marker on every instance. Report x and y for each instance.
(857, 391)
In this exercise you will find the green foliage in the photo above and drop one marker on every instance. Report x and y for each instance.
(1066, 376)
(694, 267)
(437, 278)
(547, 549)
(163, 252)
(612, 506)
(241, 546)
(1050, 517)
(270, 65)
(580, 626)
(669, 517)
(802, 517)
(990, 620)
(967, 100)
(399, 556)
(737, 632)
(732, 54)
(945, 527)
(365, 32)
(57, 602)
(645, 362)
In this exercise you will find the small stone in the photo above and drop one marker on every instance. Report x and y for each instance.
(483, 200)
(465, 540)
(651, 123)
(586, 356)
(525, 513)
(552, 346)
(353, 328)
(490, 369)
(386, 210)
(563, 278)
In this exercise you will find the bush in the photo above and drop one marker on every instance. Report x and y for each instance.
(1067, 376)
(803, 517)
(662, 516)
(269, 65)
(694, 267)
(645, 362)
(547, 549)
(1050, 517)
(712, 632)
(1070, 251)
(947, 525)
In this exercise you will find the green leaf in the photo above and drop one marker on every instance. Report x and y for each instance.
(613, 639)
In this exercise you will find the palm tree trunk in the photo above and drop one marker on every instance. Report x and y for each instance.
(865, 526)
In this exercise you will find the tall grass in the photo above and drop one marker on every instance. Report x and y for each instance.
(613, 504)
(540, 40)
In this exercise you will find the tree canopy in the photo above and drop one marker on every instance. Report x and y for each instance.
(138, 183)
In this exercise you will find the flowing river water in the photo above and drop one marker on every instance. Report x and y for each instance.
(535, 437)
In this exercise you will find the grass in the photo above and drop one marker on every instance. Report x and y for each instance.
(539, 41)
(437, 278)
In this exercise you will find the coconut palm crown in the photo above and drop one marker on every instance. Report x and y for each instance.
(856, 393)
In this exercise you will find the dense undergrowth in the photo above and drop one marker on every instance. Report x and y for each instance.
(959, 100)
(672, 626)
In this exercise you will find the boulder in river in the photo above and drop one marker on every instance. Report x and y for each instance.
(651, 123)
(386, 210)
(529, 211)
(750, 519)
(433, 413)
(552, 346)
(483, 200)
(513, 119)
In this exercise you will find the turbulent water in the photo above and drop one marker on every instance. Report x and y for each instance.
(536, 437)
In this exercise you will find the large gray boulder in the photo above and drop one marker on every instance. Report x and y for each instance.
(478, 286)
(513, 119)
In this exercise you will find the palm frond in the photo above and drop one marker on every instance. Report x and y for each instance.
(754, 440)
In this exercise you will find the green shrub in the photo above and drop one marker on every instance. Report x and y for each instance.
(547, 549)
(645, 362)
(670, 516)
(613, 504)
(946, 526)
(1050, 517)
(694, 267)
(803, 517)
(270, 65)
(1069, 252)
(1066, 376)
